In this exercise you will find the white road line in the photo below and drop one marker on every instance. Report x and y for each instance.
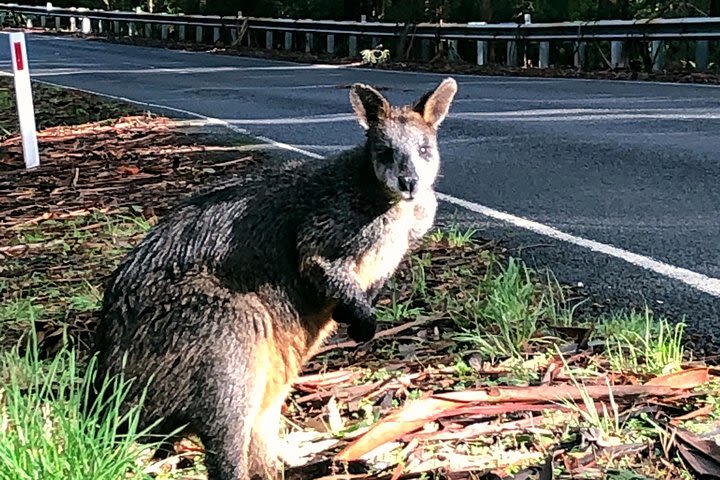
(696, 280)
(330, 118)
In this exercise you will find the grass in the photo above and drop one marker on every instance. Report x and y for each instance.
(6, 104)
(61, 282)
(646, 345)
(500, 316)
(44, 435)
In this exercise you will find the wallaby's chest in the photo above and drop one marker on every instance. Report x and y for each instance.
(398, 230)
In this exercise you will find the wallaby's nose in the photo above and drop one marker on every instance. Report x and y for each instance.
(407, 184)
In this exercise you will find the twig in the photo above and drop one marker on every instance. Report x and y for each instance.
(382, 334)
(233, 162)
(61, 216)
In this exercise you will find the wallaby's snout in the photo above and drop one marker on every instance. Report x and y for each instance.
(408, 185)
(402, 141)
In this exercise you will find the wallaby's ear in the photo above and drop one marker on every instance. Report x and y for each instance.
(368, 104)
(434, 105)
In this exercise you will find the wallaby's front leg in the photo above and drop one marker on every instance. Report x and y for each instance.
(330, 269)
(334, 279)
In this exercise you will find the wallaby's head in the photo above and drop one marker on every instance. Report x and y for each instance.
(402, 141)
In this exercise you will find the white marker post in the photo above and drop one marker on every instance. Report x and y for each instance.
(23, 93)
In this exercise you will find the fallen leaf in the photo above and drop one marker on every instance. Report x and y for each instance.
(417, 413)
(700, 412)
(706, 468)
(413, 416)
(128, 170)
(552, 393)
(706, 446)
(325, 379)
(684, 380)
(334, 418)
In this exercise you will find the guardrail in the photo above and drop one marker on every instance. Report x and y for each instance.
(699, 29)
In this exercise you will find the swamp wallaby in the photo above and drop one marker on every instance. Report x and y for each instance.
(226, 297)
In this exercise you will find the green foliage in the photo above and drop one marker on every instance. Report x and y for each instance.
(375, 55)
(44, 433)
(422, 10)
(637, 342)
(504, 314)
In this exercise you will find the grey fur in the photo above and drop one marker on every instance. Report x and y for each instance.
(225, 299)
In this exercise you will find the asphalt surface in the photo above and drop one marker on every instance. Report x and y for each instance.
(632, 165)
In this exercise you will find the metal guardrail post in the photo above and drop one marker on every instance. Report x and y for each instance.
(512, 54)
(181, 33)
(702, 52)
(426, 49)
(198, 34)
(617, 54)
(216, 35)
(580, 55)
(269, 40)
(452, 47)
(309, 42)
(288, 41)
(482, 51)
(544, 55)
(352, 46)
(657, 53)
(331, 44)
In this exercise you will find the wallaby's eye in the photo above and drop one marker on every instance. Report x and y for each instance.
(424, 151)
(386, 155)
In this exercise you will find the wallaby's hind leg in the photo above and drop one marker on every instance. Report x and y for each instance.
(226, 453)
(267, 450)
(227, 428)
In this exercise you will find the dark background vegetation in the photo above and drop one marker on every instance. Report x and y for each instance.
(421, 10)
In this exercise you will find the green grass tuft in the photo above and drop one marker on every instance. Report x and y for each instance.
(501, 317)
(639, 343)
(43, 432)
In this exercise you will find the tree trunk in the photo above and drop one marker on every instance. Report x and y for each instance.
(352, 9)
(714, 8)
(486, 10)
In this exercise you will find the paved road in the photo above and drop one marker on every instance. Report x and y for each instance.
(629, 165)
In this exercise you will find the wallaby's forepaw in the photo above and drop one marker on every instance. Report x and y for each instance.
(361, 321)
(362, 330)
(349, 313)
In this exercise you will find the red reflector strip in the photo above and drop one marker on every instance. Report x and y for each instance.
(18, 56)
